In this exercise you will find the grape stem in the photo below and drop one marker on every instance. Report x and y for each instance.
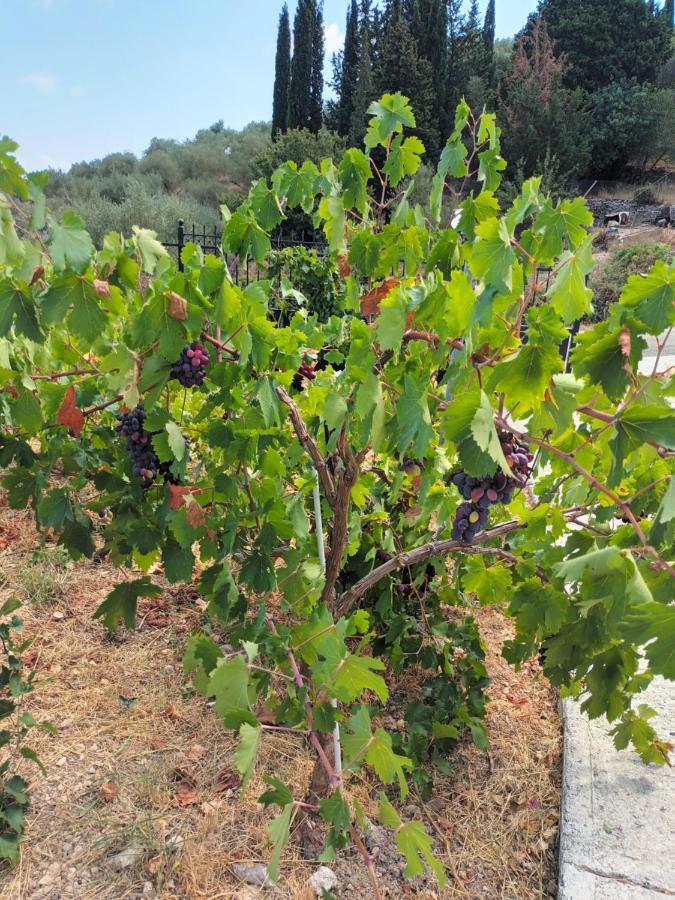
(220, 345)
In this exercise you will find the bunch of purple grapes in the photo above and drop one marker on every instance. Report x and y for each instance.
(146, 465)
(304, 373)
(481, 493)
(190, 367)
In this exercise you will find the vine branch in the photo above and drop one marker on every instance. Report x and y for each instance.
(310, 446)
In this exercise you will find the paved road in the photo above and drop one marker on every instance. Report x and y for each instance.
(617, 839)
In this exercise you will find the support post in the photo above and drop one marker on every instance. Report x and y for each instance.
(321, 552)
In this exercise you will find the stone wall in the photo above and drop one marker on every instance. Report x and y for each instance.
(639, 215)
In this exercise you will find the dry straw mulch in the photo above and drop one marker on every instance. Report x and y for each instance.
(140, 764)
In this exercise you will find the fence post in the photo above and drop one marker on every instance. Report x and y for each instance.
(180, 240)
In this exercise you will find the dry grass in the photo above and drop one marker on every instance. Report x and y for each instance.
(129, 725)
(663, 192)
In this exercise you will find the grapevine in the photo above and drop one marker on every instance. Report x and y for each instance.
(422, 490)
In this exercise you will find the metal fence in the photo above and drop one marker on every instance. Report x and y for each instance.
(245, 273)
(209, 239)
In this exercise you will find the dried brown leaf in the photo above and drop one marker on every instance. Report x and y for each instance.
(108, 791)
(69, 414)
(177, 307)
(102, 288)
(370, 302)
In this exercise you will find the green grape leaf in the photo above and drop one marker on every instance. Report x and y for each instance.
(149, 249)
(416, 845)
(555, 226)
(391, 321)
(265, 205)
(364, 252)
(122, 601)
(279, 830)
(602, 355)
(296, 184)
(390, 113)
(492, 257)
(489, 581)
(634, 427)
(651, 297)
(360, 743)
(200, 658)
(539, 608)
(332, 211)
(484, 433)
(69, 242)
(73, 296)
(278, 794)
(634, 728)
(17, 308)
(178, 562)
(229, 685)
(247, 751)
(403, 159)
(490, 164)
(568, 293)
(244, 237)
(653, 624)
(356, 674)
(54, 508)
(355, 172)
(27, 412)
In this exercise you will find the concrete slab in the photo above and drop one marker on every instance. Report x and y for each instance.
(617, 839)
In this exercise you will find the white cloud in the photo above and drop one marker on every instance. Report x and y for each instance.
(333, 37)
(40, 81)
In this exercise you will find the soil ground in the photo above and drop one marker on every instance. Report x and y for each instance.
(141, 767)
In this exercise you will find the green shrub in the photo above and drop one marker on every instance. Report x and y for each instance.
(315, 277)
(16, 723)
(608, 282)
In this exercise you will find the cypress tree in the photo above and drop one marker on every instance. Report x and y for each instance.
(428, 23)
(668, 12)
(316, 81)
(400, 67)
(489, 43)
(365, 89)
(349, 72)
(282, 75)
(299, 95)
(454, 82)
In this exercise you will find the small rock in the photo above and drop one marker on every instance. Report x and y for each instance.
(127, 858)
(256, 874)
(62, 761)
(175, 842)
(324, 879)
(58, 615)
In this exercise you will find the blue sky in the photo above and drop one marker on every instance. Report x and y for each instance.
(82, 78)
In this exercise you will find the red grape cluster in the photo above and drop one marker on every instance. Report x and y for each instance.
(481, 493)
(145, 462)
(304, 373)
(190, 367)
